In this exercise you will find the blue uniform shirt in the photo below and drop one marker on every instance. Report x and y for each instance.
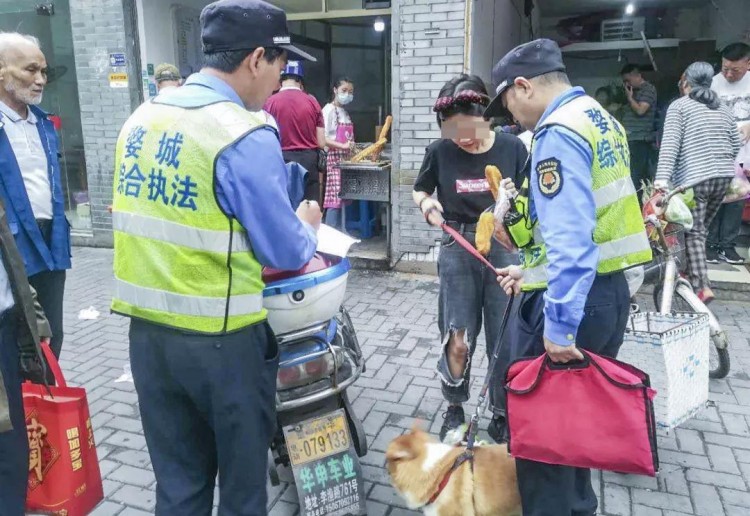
(251, 186)
(567, 222)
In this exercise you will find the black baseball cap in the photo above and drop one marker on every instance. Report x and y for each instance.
(229, 25)
(528, 60)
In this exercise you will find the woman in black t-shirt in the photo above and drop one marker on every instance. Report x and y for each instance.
(454, 166)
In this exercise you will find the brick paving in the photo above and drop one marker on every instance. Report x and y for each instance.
(705, 462)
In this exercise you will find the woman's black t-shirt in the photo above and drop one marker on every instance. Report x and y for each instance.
(459, 176)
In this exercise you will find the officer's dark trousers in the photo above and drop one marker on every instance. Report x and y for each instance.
(548, 490)
(14, 447)
(208, 405)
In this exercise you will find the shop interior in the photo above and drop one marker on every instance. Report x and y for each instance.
(50, 23)
(598, 38)
(347, 37)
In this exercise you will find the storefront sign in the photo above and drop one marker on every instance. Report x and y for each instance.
(118, 80)
(150, 69)
(117, 59)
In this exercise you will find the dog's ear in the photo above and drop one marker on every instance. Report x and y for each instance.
(417, 426)
(399, 454)
(399, 449)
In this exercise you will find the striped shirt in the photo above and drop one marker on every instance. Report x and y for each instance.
(698, 144)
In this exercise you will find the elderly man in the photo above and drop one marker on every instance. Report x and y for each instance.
(30, 183)
(733, 87)
(200, 207)
(166, 76)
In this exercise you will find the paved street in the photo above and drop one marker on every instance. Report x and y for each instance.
(705, 463)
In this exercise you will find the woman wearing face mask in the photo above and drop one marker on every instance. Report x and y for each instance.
(455, 167)
(697, 150)
(340, 143)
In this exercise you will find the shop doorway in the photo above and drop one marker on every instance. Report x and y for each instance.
(346, 40)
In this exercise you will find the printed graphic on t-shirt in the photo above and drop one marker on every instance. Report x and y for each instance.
(472, 185)
(740, 107)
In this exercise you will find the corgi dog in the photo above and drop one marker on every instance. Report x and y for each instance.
(441, 480)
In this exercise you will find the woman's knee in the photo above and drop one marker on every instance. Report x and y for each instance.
(457, 343)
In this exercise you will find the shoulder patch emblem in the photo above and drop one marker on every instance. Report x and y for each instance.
(549, 177)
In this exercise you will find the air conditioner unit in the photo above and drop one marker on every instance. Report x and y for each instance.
(376, 4)
(623, 28)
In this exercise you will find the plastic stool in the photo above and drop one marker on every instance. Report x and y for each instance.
(364, 223)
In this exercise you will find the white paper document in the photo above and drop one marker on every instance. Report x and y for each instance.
(334, 242)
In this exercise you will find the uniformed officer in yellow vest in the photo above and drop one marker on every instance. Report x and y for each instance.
(581, 228)
(200, 205)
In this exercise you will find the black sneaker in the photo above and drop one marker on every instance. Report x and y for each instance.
(454, 417)
(498, 430)
(731, 256)
(712, 255)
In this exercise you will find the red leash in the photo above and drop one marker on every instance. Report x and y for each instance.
(466, 245)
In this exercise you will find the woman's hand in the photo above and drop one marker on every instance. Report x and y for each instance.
(510, 279)
(432, 211)
(661, 185)
(509, 186)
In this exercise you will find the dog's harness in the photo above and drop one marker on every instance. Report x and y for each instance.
(466, 456)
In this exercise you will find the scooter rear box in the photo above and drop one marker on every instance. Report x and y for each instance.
(311, 295)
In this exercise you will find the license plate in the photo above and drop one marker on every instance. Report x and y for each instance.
(317, 438)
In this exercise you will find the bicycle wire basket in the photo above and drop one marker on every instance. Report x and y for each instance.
(674, 234)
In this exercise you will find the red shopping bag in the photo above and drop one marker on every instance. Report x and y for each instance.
(64, 477)
(597, 414)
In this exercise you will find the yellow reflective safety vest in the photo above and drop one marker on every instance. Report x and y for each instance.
(619, 232)
(180, 261)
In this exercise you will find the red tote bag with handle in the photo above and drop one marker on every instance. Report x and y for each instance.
(64, 477)
(596, 414)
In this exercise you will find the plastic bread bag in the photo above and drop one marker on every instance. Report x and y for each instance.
(739, 188)
(634, 276)
(678, 213)
(502, 206)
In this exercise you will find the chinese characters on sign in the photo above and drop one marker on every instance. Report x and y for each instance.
(326, 467)
(165, 183)
(37, 434)
(42, 455)
(90, 433)
(330, 487)
(608, 153)
(74, 444)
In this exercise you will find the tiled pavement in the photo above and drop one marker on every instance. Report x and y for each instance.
(706, 462)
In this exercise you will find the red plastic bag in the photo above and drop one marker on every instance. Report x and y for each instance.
(598, 414)
(64, 477)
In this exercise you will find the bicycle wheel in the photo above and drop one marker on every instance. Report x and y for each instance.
(679, 304)
(718, 351)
